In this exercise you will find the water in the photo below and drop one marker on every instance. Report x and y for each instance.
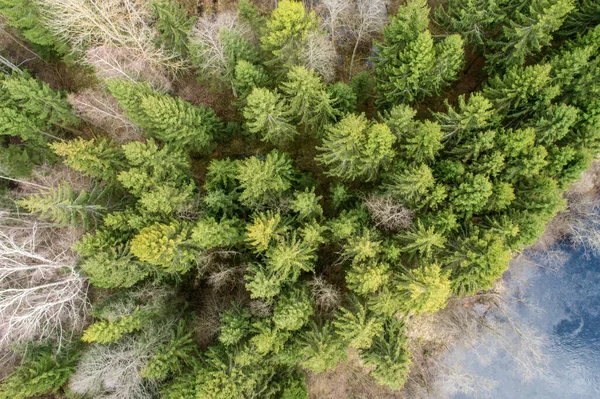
(546, 341)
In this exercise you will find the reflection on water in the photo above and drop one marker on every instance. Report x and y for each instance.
(544, 343)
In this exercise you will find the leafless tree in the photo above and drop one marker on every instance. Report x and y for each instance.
(369, 16)
(337, 13)
(326, 296)
(113, 371)
(42, 295)
(387, 214)
(319, 54)
(109, 24)
(102, 110)
(207, 37)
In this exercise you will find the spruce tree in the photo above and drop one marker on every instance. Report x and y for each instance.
(173, 24)
(95, 158)
(424, 290)
(354, 148)
(409, 65)
(267, 115)
(164, 245)
(356, 325)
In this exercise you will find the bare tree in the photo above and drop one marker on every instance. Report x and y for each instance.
(369, 17)
(207, 37)
(387, 214)
(319, 54)
(42, 295)
(102, 110)
(336, 15)
(327, 296)
(122, 24)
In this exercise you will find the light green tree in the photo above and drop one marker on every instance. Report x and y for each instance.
(424, 290)
(97, 158)
(164, 245)
(354, 148)
(268, 116)
(356, 325)
(292, 310)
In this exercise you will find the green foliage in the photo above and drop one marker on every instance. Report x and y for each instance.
(390, 356)
(343, 98)
(235, 326)
(264, 179)
(166, 118)
(365, 278)
(113, 266)
(425, 242)
(247, 77)
(424, 290)
(95, 158)
(164, 245)
(105, 331)
(158, 177)
(209, 233)
(42, 372)
(64, 207)
(306, 204)
(288, 258)
(173, 24)
(357, 326)
(266, 228)
(267, 115)
(354, 148)
(322, 350)
(292, 310)
(172, 356)
(307, 98)
(409, 65)
(473, 19)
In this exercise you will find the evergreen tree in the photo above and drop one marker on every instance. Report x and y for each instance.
(288, 258)
(365, 278)
(107, 331)
(409, 65)
(410, 185)
(113, 267)
(390, 355)
(42, 372)
(166, 118)
(422, 241)
(424, 290)
(306, 204)
(292, 310)
(96, 158)
(265, 228)
(354, 148)
(264, 179)
(164, 245)
(471, 196)
(247, 77)
(267, 115)
(343, 99)
(66, 207)
(322, 349)
(473, 114)
(209, 233)
(357, 326)
(307, 98)
(235, 326)
(173, 24)
(528, 32)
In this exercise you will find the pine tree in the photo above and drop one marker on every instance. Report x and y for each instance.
(235, 326)
(66, 207)
(114, 267)
(306, 204)
(166, 118)
(471, 196)
(173, 24)
(528, 33)
(343, 99)
(356, 325)
(409, 65)
(390, 355)
(265, 228)
(164, 245)
(473, 114)
(422, 241)
(288, 258)
(365, 278)
(264, 179)
(354, 148)
(220, 174)
(308, 99)
(96, 158)
(173, 356)
(42, 372)
(267, 115)
(410, 185)
(292, 310)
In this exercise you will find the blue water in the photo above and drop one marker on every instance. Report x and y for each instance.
(546, 341)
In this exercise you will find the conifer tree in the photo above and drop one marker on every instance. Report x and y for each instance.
(96, 158)
(42, 372)
(164, 245)
(307, 98)
(66, 207)
(264, 179)
(354, 148)
(471, 196)
(288, 258)
(209, 233)
(286, 28)
(235, 326)
(173, 24)
(265, 228)
(472, 114)
(424, 290)
(409, 65)
(306, 204)
(113, 267)
(107, 331)
(343, 99)
(292, 310)
(422, 241)
(528, 32)
(410, 185)
(267, 115)
(356, 325)
(166, 118)
(247, 77)
(390, 355)
(322, 349)
(365, 278)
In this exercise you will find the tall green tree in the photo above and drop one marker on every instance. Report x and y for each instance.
(268, 116)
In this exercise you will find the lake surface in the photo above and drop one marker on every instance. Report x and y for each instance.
(544, 343)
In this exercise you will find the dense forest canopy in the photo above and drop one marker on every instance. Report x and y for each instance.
(211, 202)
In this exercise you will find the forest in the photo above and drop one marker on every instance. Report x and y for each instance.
(221, 199)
